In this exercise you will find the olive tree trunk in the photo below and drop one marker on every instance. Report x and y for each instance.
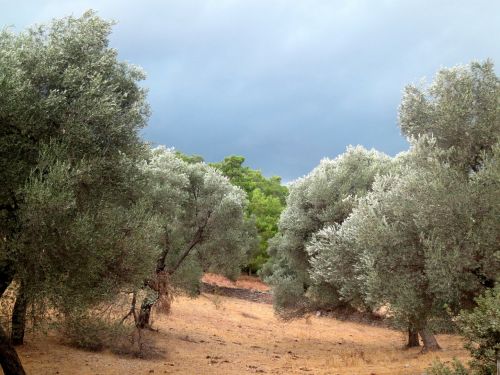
(148, 303)
(19, 318)
(430, 342)
(412, 338)
(9, 360)
(145, 314)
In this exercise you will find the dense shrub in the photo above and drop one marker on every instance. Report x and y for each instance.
(439, 368)
(94, 333)
(481, 329)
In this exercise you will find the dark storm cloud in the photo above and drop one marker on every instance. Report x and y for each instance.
(283, 83)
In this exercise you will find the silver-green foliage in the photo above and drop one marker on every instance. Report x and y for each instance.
(202, 219)
(64, 82)
(391, 241)
(480, 327)
(460, 109)
(72, 224)
(422, 242)
(324, 197)
(74, 255)
(426, 239)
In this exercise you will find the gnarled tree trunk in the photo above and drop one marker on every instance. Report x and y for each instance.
(9, 360)
(145, 314)
(412, 338)
(147, 304)
(19, 318)
(430, 342)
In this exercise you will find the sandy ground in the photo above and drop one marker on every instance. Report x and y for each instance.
(221, 335)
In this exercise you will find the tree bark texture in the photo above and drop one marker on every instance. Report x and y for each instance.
(412, 338)
(143, 320)
(430, 342)
(144, 314)
(9, 360)
(19, 318)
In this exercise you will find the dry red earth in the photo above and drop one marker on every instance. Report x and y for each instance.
(221, 335)
(246, 282)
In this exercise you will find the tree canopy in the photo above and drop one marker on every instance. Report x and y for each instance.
(324, 197)
(417, 234)
(73, 228)
(459, 109)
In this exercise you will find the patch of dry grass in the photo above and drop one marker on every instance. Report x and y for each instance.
(241, 337)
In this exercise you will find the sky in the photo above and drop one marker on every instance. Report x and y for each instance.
(284, 83)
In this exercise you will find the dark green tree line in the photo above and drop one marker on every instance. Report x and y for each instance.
(266, 202)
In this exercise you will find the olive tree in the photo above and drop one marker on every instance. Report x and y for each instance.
(71, 220)
(80, 253)
(324, 197)
(203, 226)
(390, 239)
(422, 242)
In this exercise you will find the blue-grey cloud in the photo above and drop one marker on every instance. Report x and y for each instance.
(283, 82)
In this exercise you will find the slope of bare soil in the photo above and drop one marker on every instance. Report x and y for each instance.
(222, 335)
(244, 282)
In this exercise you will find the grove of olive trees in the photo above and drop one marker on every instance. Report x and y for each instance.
(89, 211)
(422, 237)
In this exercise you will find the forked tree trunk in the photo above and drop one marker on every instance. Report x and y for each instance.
(412, 338)
(143, 320)
(19, 318)
(147, 304)
(430, 342)
(9, 360)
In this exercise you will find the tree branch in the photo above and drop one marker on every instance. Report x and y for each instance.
(160, 264)
(198, 237)
(132, 309)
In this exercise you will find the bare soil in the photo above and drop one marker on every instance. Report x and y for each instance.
(244, 282)
(223, 335)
